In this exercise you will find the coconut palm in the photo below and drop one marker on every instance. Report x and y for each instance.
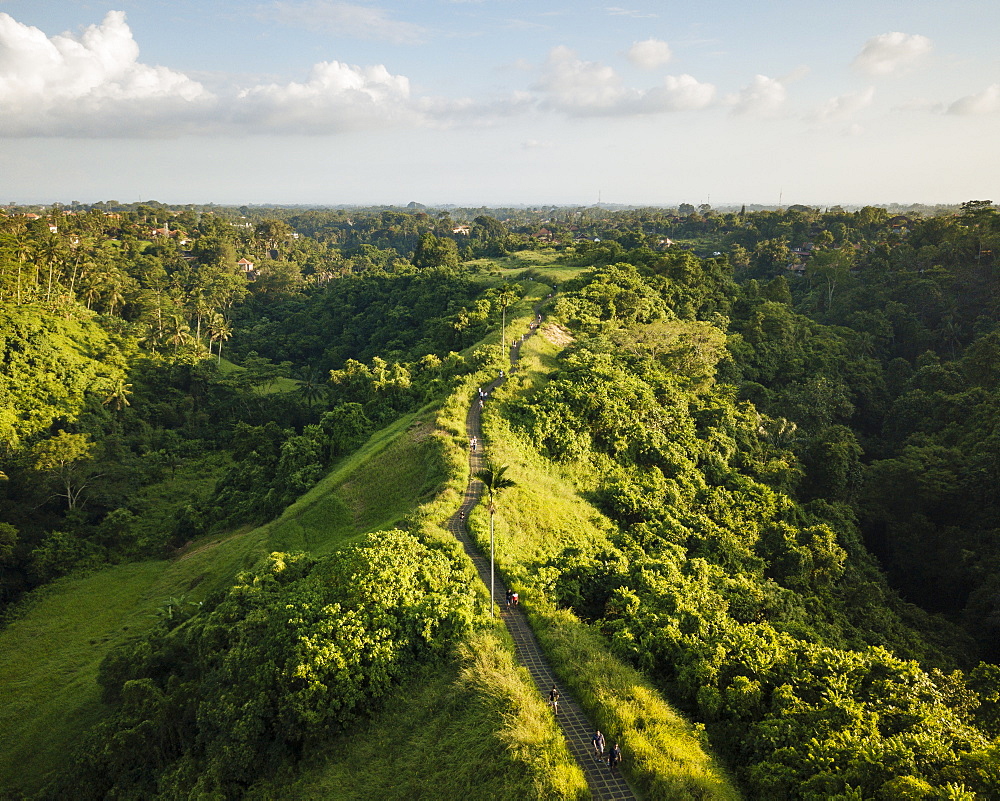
(179, 331)
(312, 386)
(219, 330)
(118, 393)
(495, 480)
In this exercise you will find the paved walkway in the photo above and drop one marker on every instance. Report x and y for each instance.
(603, 782)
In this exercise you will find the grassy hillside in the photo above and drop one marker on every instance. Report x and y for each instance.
(474, 726)
(477, 729)
(480, 714)
(49, 655)
(544, 515)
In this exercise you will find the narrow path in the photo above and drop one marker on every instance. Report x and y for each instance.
(577, 729)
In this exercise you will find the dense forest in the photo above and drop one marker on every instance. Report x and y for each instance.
(785, 424)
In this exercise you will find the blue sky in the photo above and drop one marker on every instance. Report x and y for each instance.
(499, 101)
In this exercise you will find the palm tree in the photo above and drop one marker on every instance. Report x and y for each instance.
(219, 330)
(313, 385)
(494, 478)
(180, 331)
(118, 393)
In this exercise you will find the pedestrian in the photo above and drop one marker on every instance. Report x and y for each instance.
(554, 700)
(480, 403)
(510, 598)
(614, 757)
(598, 741)
(514, 599)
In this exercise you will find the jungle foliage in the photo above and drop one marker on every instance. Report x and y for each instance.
(793, 440)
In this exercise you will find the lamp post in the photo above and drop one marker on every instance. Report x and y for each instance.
(494, 479)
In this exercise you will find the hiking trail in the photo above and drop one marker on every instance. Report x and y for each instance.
(576, 728)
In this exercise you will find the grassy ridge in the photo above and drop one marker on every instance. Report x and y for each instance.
(545, 513)
(49, 656)
(484, 713)
(477, 729)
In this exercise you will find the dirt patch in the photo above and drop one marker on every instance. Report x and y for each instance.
(556, 334)
(207, 546)
(421, 430)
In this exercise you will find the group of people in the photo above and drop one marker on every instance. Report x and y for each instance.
(614, 755)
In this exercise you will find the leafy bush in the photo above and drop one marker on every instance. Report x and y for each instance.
(296, 650)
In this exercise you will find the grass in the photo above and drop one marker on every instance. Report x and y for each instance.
(668, 757)
(370, 490)
(544, 514)
(474, 728)
(482, 715)
(542, 263)
(280, 384)
(50, 654)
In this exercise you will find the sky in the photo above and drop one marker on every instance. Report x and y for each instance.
(499, 102)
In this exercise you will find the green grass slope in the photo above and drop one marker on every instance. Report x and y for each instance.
(481, 713)
(50, 654)
(475, 729)
(545, 513)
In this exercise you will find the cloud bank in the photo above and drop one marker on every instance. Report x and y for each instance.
(589, 88)
(93, 84)
(891, 52)
(87, 84)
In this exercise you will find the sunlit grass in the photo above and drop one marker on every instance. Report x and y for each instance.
(544, 514)
(475, 728)
(50, 654)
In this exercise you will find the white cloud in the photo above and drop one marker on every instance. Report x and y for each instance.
(618, 11)
(984, 102)
(88, 85)
(679, 93)
(763, 97)
(344, 19)
(649, 54)
(579, 87)
(336, 97)
(570, 84)
(891, 52)
(844, 106)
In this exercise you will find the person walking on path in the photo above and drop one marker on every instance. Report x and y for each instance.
(614, 758)
(554, 700)
(598, 741)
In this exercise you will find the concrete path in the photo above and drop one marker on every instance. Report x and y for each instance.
(603, 782)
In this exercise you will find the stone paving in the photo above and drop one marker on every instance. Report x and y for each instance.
(604, 783)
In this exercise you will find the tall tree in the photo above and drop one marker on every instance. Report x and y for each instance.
(64, 456)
